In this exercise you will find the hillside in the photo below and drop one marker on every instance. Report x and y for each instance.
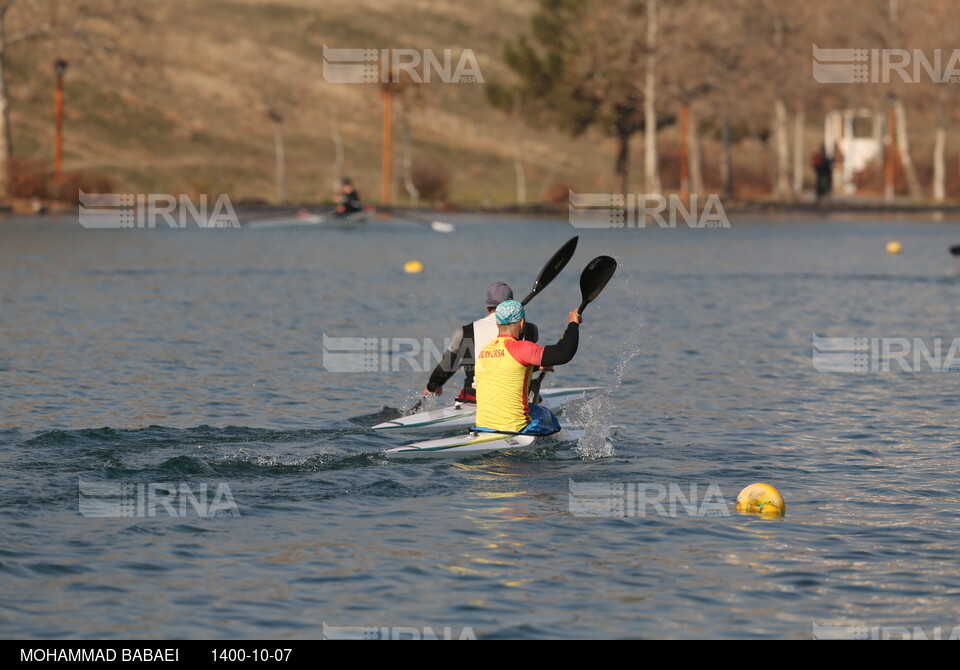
(191, 116)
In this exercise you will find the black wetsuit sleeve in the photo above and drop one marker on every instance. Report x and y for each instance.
(448, 364)
(564, 350)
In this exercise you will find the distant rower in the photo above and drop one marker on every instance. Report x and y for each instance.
(348, 200)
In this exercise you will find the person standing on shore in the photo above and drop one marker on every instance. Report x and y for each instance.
(823, 167)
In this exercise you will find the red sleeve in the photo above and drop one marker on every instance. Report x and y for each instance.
(525, 352)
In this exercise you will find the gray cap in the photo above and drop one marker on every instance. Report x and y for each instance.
(497, 292)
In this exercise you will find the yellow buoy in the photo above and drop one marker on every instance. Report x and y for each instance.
(761, 499)
(413, 267)
(894, 247)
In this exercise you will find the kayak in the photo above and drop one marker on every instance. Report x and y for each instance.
(462, 415)
(329, 221)
(476, 443)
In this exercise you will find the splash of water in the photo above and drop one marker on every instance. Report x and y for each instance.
(595, 413)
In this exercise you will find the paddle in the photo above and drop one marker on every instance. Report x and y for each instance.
(438, 226)
(383, 414)
(552, 268)
(955, 250)
(592, 280)
(535, 386)
(594, 277)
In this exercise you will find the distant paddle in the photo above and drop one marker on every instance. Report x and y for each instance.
(594, 277)
(955, 250)
(552, 268)
(438, 226)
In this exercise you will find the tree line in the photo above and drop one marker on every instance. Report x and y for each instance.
(726, 70)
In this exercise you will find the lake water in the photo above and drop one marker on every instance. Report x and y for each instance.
(195, 358)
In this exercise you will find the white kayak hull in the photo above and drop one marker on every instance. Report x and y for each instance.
(479, 443)
(328, 221)
(462, 416)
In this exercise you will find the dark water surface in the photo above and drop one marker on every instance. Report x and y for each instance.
(195, 358)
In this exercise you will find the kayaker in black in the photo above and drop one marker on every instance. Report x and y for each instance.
(348, 201)
(469, 339)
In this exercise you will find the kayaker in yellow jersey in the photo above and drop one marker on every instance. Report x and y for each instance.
(503, 370)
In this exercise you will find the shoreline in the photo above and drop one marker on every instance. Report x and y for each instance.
(839, 210)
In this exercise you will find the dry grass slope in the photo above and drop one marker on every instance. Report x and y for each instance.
(193, 118)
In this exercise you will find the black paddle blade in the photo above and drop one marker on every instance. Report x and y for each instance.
(552, 268)
(385, 414)
(595, 276)
(955, 250)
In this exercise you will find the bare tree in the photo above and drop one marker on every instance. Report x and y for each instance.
(586, 66)
(521, 103)
(940, 149)
(651, 164)
(786, 49)
(406, 104)
(690, 72)
(277, 97)
(730, 54)
(337, 137)
(890, 27)
(799, 127)
(277, 118)
(938, 23)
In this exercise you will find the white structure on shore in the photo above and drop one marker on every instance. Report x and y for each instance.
(853, 138)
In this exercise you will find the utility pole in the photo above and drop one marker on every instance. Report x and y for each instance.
(59, 67)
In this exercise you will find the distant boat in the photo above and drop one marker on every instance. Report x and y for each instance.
(304, 218)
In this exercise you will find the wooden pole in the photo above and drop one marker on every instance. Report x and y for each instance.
(58, 131)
